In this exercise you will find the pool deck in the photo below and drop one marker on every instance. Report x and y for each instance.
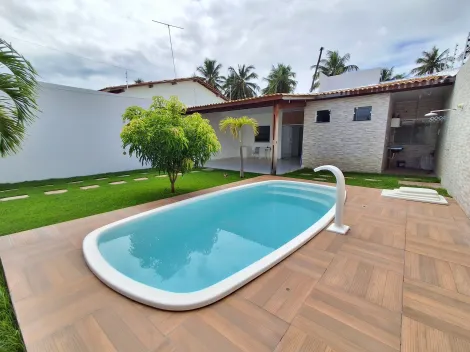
(400, 280)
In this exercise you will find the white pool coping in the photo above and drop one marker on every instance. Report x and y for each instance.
(186, 301)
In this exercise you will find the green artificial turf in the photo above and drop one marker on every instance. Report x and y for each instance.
(360, 179)
(41, 210)
(10, 335)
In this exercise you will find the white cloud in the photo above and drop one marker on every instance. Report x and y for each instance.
(262, 33)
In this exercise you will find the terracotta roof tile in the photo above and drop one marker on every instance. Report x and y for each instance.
(383, 87)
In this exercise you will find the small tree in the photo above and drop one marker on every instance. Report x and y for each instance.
(235, 125)
(165, 138)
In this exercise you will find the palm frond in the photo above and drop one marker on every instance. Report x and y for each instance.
(18, 103)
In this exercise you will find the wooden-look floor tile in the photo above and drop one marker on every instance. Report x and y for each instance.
(246, 325)
(448, 231)
(439, 308)
(288, 298)
(386, 257)
(391, 235)
(419, 337)
(259, 291)
(430, 270)
(295, 340)
(327, 241)
(197, 335)
(440, 250)
(348, 323)
(362, 279)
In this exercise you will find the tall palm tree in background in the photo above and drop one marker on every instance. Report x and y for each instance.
(235, 126)
(210, 73)
(432, 61)
(139, 80)
(18, 101)
(238, 85)
(281, 79)
(386, 74)
(333, 65)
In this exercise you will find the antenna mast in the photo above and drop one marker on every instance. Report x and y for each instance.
(171, 44)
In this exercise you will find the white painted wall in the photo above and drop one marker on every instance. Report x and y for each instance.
(189, 92)
(349, 80)
(229, 145)
(453, 153)
(76, 133)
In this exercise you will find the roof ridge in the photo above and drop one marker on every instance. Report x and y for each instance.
(166, 81)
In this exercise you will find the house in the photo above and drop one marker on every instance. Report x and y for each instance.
(375, 128)
(191, 91)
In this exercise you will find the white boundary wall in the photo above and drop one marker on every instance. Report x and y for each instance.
(76, 134)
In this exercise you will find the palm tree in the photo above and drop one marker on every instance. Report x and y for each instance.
(235, 125)
(432, 61)
(238, 85)
(280, 80)
(333, 65)
(18, 101)
(210, 73)
(386, 74)
(139, 80)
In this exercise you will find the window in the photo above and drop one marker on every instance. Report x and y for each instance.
(263, 134)
(323, 116)
(363, 113)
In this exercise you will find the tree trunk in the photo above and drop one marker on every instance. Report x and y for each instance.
(242, 174)
(172, 186)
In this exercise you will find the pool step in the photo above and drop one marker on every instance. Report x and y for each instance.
(314, 199)
(415, 194)
(309, 189)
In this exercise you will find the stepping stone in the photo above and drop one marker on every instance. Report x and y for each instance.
(13, 198)
(208, 169)
(371, 179)
(161, 176)
(117, 183)
(45, 185)
(59, 191)
(144, 173)
(351, 178)
(13, 189)
(71, 183)
(122, 175)
(193, 172)
(141, 179)
(420, 184)
(89, 187)
(101, 179)
(306, 174)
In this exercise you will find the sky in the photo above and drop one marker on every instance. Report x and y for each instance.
(92, 43)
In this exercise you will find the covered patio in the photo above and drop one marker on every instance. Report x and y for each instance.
(277, 149)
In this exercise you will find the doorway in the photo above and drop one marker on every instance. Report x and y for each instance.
(291, 141)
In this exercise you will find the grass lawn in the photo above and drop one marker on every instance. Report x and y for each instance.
(41, 210)
(10, 335)
(381, 181)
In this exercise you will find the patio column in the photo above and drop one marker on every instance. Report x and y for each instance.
(274, 151)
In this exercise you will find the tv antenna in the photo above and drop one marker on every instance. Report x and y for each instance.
(171, 44)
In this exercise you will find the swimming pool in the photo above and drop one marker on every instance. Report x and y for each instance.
(192, 253)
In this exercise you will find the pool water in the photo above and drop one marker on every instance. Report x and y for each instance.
(193, 246)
